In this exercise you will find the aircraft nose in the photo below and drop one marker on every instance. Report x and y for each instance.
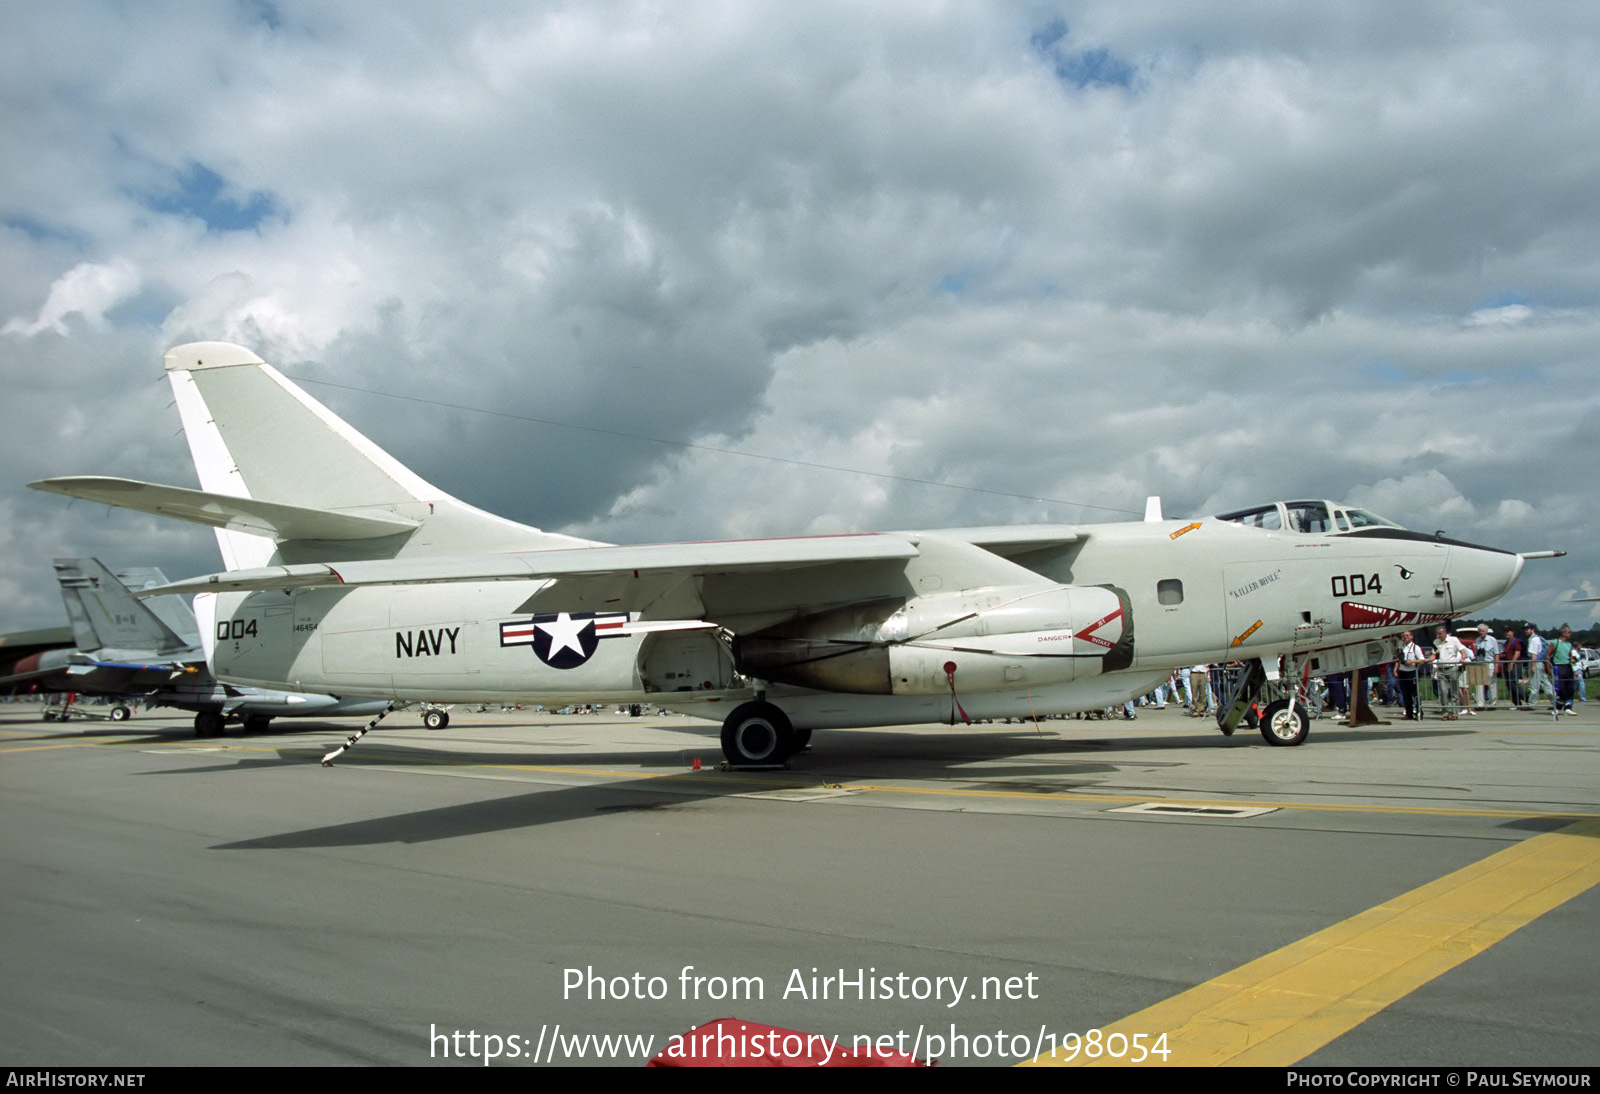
(1481, 575)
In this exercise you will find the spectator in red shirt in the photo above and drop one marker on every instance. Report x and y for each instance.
(1512, 668)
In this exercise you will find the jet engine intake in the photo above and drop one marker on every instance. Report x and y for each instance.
(976, 640)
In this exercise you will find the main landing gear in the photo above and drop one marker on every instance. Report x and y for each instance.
(209, 723)
(214, 723)
(758, 734)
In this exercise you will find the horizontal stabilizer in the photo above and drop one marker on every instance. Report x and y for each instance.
(23, 643)
(25, 677)
(261, 518)
(654, 558)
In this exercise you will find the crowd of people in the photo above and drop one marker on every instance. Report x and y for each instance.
(1466, 676)
(1472, 676)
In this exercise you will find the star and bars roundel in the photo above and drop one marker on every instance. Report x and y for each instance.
(564, 640)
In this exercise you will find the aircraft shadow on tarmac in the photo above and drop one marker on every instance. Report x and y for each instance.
(544, 806)
(135, 731)
(961, 759)
(854, 753)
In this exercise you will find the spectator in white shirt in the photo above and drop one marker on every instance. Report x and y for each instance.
(1449, 656)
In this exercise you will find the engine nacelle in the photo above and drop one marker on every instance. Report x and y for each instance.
(980, 640)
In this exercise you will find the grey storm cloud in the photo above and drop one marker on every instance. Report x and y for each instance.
(648, 272)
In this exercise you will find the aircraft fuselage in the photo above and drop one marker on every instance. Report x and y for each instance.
(1115, 613)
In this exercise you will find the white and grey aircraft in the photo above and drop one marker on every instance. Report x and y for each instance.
(347, 573)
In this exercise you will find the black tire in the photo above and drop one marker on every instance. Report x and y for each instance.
(256, 723)
(209, 723)
(1283, 725)
(120, 713)
(802, 741)
(757, 735)
(435, 719)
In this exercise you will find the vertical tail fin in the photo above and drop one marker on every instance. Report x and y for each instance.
(105, 615)
(253, 433)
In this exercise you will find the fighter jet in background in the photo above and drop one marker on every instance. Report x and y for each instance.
(151, 649)
(348, 573)
(18, 646)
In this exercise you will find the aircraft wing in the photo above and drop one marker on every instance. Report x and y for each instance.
(111, 677)
(731, 556)
(1008, 541)
(262, 518)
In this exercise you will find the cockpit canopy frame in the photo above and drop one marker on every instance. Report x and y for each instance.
(1318, 518)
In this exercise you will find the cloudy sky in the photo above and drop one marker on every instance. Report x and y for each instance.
(648, 271)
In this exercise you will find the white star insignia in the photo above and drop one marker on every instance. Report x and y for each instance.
(564, 632)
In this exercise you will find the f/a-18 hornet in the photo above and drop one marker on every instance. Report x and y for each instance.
(126, 648)
(348, 574)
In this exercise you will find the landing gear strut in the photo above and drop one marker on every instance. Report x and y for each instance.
(1245, 687)
(1283, 721)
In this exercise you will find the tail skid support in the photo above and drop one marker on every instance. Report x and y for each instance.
(327, 761)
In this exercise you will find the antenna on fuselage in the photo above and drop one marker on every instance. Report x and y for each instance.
(1152, 509)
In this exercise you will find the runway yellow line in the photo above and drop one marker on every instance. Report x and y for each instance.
(64, 744)
(1253, 803)
(1277, 1010)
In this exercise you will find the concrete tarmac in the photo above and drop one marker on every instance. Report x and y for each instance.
(971, 893)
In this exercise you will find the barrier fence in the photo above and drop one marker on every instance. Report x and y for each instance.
(1488, 683)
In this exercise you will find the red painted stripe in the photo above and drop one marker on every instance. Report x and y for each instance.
(1088, 635)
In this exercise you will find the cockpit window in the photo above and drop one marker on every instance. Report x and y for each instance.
(1312, 518)
(1360, 518)
(1262, 516)
(1309, 516)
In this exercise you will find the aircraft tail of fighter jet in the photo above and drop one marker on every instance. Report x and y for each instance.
(105, 615)
(284, 478)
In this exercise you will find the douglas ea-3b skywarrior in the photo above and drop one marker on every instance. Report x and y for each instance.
(348, 574)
